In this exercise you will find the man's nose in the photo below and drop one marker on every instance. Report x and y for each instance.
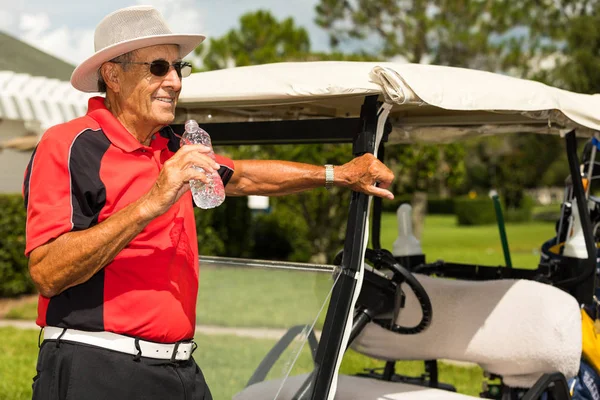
(172, 79)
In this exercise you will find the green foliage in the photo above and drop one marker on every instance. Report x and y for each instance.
(430, 168)
(524, 213)
(222, 231)
(260, 39)
(481, 211)
(314, 221)
(392, 205)
(512, 163)
(14, 274)
(456, 33)
(477, 211)
(440, 206)
(435, 205)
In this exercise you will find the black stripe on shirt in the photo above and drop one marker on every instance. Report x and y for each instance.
(28, 178)
(225, 173)
(81, 306)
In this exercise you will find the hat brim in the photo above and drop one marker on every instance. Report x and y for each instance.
(85, 76)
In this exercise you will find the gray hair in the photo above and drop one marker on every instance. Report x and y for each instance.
(123, 58)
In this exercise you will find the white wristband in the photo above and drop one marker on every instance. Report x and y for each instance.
(329, 176)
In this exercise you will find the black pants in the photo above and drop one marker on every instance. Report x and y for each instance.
(72, 371)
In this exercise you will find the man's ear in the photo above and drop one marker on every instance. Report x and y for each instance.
(110, 74)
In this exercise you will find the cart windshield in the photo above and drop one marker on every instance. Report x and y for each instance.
(254, 318)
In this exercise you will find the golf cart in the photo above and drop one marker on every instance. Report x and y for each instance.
(521, 325)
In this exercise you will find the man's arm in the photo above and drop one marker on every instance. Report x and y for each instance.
(74, 257)
(276, 178)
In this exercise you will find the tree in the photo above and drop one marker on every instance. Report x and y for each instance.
(260, 39)
(446, 32)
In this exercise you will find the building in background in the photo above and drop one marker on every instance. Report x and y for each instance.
(35, 94)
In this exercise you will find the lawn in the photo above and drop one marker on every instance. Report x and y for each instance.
(242, 297)
(443, 239)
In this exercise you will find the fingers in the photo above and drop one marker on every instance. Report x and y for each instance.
(191, 162)
(194, 148)
(190, 156)
(383, 176)
(196, 174)
(379, 192)
(197, 160)
(362, 173)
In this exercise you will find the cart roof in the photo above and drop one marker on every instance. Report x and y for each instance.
(430, 103)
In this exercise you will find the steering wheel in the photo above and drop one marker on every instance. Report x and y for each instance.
(383, 259)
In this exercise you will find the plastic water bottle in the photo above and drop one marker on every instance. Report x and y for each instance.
(406, 243)
(208, 195)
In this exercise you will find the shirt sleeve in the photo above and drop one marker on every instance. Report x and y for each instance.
(56, 201)
(227, 168)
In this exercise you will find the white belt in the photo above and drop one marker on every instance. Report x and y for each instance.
(123, 344)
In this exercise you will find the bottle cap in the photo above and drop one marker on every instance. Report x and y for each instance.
(191, 126)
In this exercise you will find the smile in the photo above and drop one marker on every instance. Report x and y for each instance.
(164, 99)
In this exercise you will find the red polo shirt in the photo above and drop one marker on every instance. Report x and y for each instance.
(80, 174)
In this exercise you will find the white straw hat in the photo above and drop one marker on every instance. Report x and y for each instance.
(123, 31)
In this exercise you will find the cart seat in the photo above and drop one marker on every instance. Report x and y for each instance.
(518, 329)
(350, 388)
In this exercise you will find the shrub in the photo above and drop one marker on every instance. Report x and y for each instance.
(392, 205)
(14, 274)
(440, 206)
(478, 211)
(481, 211)
(271, 240)
(224, 231)
(435, 205)
(522, 214)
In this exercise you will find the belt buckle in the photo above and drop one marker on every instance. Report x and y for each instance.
(174, 355)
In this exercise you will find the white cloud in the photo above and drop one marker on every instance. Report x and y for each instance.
(71, 45)
(34, 24)
(7, 20)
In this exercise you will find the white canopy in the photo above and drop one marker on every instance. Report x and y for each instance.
(431, 103)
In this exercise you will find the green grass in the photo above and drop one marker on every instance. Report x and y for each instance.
(443, 239)
(255, 297)
(227, 363)
(18, 355)
(26, 311)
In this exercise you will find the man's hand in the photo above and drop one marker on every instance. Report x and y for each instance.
(174, 178)
(362, 173)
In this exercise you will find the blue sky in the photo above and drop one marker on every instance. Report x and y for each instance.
(66, 28)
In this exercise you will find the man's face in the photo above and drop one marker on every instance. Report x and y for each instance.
(147, 98)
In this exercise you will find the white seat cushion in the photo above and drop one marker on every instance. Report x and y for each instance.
(350, 388)
(515, 328)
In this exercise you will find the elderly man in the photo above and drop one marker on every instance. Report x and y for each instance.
(111, 235)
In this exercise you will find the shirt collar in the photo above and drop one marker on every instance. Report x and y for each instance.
(118, 135)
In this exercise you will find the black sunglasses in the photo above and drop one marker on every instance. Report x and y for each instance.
(161, 67)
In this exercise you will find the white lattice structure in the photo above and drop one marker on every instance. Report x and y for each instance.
(38, 101)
